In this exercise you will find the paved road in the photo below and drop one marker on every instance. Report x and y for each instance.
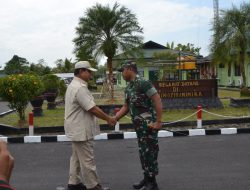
(4, 107)
(186, 163)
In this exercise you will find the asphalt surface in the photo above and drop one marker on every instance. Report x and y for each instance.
(4, 107)
(186, 163)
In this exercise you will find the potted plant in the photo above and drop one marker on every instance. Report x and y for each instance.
(51, 84)
(37, 103)
(18, 90)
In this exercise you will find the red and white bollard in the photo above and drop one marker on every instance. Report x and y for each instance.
(117, 125)
(31, 124)
(199, 117)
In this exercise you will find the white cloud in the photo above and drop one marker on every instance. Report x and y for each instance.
(166, 17)
(37, 29)
(166, 21)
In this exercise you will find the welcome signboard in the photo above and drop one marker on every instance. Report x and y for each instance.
(187, 89)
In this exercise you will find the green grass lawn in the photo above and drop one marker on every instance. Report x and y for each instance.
(228, 93)
(50, 118)
(55, 117)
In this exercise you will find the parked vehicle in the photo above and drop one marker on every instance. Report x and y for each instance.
(99, 81)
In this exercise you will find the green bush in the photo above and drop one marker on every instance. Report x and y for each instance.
(62, 89)
(92, 85)
(51, 83)
(19, 89)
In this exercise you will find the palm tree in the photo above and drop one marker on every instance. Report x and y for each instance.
(231, 37)
(170, 46)
(105, 31)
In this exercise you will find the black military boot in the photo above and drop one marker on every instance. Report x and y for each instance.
(99, 187)
(151, 184)
(79, 186)
(140, 184)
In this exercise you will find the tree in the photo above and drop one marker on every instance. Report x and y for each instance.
(83, 54)
(17, 65)
(46, 70)
(40, 68)
(68, 66)
(173, 55)
(170, 46)
(231, 37)
(166, 55)
(59, 65)
(41, 62)
(18, 90)
(189, 48)
(63, 66)
(105, 31)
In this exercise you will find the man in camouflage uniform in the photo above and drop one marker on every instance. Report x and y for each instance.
(144, 105)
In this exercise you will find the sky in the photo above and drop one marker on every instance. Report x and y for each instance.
(44, 29)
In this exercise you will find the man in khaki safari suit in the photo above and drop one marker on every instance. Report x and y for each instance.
(81, 126)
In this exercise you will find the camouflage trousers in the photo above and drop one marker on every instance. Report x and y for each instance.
(148, 150)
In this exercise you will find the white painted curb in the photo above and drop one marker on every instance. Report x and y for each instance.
(130, 135)
(102, 136)
(126, 135)
(163, 133)
(228, 131)
(62, 138)
(5, 139)
(32, 139)
(197, 132)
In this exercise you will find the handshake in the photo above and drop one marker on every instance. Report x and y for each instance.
(112, 120)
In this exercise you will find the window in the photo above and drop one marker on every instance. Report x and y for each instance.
(119, 77)
(229, 70)
(237, 70)
(221, 65)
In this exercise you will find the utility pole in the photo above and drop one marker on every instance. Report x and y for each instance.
(216, 11)
(180, 65)
(216, 21)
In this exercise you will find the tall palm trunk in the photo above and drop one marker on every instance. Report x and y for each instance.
(110, 76)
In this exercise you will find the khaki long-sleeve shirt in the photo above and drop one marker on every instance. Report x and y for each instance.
(79, 123)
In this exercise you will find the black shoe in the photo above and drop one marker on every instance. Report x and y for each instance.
(79, 186)
(150, 186)
(140, 184)
(99, 187)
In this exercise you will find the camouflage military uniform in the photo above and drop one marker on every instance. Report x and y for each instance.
(137, 96)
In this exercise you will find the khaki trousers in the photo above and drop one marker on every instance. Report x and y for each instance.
(82, 164)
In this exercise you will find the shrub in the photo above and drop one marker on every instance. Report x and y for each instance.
(92, 85)
(51, 83)
(245, 92)
(19, 89)
(62, 89)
